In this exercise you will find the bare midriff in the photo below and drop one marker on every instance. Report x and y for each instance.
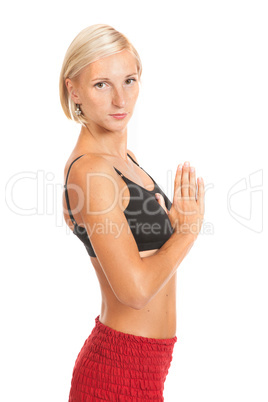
(156, 320)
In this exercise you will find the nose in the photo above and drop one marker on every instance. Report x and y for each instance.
(118, 97)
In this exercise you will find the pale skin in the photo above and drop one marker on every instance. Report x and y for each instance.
(138, 289)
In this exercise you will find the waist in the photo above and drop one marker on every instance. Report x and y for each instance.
(149, 323)
(126, 336)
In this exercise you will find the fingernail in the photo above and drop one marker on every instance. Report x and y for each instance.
(157, 196)
(186, 164)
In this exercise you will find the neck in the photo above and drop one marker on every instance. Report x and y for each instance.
(100, 140)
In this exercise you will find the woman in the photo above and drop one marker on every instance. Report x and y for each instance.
(135, 241)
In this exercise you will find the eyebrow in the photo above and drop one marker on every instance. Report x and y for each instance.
(107, 79)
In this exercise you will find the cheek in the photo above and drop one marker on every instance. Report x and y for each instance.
(95, 101)
(132, 95)
(136, 92)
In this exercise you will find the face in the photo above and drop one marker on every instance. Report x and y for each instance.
(107, 87)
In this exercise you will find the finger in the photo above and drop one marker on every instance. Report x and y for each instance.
(161, 201)
(200, 194)
(177, 183)
(185, 180)
(192, 184)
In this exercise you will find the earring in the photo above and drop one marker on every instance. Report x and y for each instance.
(78, 111)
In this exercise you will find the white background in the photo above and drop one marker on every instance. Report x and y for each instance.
(203, 99)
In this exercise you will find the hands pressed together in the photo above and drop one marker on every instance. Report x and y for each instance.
(186, 214)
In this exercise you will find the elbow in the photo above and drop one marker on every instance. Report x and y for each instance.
(138, 304)
(135, 300)
(134, 304)
(133, 291)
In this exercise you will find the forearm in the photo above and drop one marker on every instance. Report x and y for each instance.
(156, 270)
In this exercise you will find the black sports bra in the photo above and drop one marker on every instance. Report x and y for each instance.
(147, 220)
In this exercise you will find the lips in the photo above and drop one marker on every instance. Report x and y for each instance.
(118, 114)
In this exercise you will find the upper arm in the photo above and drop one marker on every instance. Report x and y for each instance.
(107, 227)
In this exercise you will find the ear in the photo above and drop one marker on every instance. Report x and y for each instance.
(72, 90)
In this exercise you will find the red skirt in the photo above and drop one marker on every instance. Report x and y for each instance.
(115, 366)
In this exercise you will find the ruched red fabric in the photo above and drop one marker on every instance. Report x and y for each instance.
(115, 366)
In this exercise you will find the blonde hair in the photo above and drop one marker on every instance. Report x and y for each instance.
(91, 44)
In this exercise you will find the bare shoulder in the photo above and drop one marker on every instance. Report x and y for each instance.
(132, 155)
(93, 185)
(92, 180)
(90, 163)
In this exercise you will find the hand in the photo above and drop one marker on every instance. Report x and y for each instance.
(187, 211)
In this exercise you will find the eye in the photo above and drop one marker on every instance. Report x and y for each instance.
(130, 79)
(100, 85)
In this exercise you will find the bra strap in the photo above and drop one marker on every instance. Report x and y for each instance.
(141, 168)
(118, 171)
(66, 192)
(133, 160)
(121, 174)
